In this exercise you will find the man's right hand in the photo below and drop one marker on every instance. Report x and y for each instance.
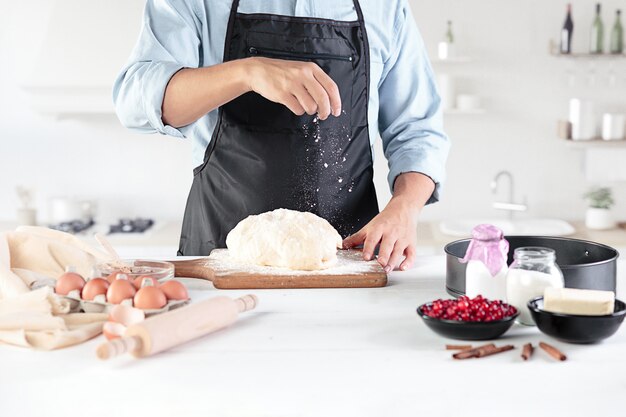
(303, 87)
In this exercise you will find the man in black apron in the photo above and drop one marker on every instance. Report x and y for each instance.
(296, 137)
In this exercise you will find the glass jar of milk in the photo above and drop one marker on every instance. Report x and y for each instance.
(533, 269)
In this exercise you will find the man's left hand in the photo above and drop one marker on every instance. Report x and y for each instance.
(395, 228)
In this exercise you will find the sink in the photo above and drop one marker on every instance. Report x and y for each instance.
(520, 227)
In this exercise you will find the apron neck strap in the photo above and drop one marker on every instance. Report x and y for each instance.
(357, 7)
(359, 12)
(233, 9)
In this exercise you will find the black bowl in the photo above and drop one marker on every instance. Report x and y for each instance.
(464, 330)
(586, 265)
(573, 328)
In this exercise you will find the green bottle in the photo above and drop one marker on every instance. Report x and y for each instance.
(597, 33)
(449, 34)
(617, 35)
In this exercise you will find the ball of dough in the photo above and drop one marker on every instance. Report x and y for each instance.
(285, 238)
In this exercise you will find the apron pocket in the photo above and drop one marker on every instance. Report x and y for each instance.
(257, 112)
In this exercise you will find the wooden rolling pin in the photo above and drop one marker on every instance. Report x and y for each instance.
(164, 331)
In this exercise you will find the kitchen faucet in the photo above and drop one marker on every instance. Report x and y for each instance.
(510, 205)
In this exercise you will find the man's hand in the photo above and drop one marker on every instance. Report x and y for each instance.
(394, 229)
(301, 86)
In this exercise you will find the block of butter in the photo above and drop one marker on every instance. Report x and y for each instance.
(579, 302)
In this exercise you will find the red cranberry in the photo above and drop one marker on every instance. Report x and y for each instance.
(469, 309)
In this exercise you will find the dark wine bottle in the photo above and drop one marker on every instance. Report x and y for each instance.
(567, 32)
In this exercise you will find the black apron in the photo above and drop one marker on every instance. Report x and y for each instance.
(262, 156)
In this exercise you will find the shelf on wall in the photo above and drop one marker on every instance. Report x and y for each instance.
(461, 112)
(594, 143)
(577, 55)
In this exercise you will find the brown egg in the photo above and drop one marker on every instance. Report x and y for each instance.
(174, 290)
(113, 276)
(126, 315)
(138, 282)
(120, 290)
(94, 287)
(69, 281)
(149, 298)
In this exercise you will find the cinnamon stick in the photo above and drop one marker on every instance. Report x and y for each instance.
(527, 351)
(552, 351)
(494, 350)
(472, 353)
(458, 347)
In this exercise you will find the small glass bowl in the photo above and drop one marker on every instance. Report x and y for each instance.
(133, 268)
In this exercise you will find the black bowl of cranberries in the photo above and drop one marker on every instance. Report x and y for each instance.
(468, 318)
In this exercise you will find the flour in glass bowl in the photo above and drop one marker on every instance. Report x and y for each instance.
(348, 263)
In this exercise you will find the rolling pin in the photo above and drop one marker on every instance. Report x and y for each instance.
(173, 328)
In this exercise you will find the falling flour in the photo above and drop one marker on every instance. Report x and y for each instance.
(326, 153)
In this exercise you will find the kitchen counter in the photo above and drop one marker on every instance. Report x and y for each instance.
(352, 352)
(162, 239)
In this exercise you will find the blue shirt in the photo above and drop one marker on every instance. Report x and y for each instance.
(404, 106)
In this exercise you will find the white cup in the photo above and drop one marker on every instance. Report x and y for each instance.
(582, 117)
(445, 50)
(26, 217)
(613, 126)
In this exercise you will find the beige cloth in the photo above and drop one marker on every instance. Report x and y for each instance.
(72, 329)
(39, 319)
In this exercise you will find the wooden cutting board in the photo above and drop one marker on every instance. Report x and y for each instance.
(351, 271)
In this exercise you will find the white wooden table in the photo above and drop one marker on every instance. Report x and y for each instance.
(356, 352)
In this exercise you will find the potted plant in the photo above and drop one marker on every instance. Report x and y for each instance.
(599, 215)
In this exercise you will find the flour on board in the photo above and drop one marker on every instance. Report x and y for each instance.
(348, 263)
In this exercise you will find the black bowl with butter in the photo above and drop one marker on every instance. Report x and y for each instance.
(574, 328)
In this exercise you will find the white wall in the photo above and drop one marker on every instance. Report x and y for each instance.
(85, 157)
(524, 91)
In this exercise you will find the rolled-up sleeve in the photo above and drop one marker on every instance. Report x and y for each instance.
(410, 117)
(169, 41)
